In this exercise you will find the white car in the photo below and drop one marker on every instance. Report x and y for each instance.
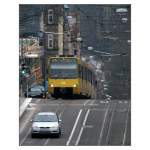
(46, 123)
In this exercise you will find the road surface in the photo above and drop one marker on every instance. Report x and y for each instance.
(84, 122)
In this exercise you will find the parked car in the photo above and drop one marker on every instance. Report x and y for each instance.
(36, 91)
(46, 123)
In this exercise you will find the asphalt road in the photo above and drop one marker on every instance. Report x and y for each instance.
(84, 122)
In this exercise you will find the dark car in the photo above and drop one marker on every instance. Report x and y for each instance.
(36, 91)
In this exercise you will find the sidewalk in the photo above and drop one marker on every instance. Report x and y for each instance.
(23, 104)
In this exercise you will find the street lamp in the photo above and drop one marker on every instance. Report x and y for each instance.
(102, 80)
(83, 59)
(79, 40)
(91, 57)
(90, 48)
(105, 89)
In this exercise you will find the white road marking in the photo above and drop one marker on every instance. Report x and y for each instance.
(125, 132)
(79, 136)
(24, 106)
(46, 142)
(110, 123)
(26, 121)
(101, 133)
(85, 103)
(32, 108)
(92, 103)
(74, 127)
(104, 102)
(63, 104)
(98, 109)
(32, 105)
(25, 137)
(88, 126)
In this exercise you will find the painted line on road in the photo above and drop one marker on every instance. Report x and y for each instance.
(98, 109)
(27, 120)
(104, 102)
(103, 125)
(88, 126)
(32, 105)
(25, 137)
(110, 123)
(126, 124)
(79, 136)
(85, 103)
(24, 106)
(46, 142)
(70, 137)
(92, 103)
(32, 108)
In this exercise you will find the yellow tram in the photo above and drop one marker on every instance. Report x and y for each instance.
(70, 76)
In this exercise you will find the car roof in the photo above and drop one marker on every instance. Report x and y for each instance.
(46, 113)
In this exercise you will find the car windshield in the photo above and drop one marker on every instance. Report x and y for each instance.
(45, 118)
(35, 89)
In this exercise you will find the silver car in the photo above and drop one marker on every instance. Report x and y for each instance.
(46, 123)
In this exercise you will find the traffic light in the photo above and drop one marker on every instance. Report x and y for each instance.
(25, 70)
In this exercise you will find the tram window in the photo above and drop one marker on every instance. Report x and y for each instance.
(90, 77)
(82, 72)
(85, 74)
(87, 71)
(79, 70)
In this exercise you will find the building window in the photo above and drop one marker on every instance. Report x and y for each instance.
(50, 41)
(50, 16)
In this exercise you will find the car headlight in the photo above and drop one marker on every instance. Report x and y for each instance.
(35, 128)
(54, 128)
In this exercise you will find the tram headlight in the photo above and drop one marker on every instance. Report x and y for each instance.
(51, 85)
(74, 85)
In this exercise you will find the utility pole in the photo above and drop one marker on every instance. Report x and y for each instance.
(60, 36)
(69, 43)
(78, 35)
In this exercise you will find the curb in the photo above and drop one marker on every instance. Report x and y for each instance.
(24, 106)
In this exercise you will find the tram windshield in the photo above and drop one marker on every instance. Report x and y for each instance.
(63, 70)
